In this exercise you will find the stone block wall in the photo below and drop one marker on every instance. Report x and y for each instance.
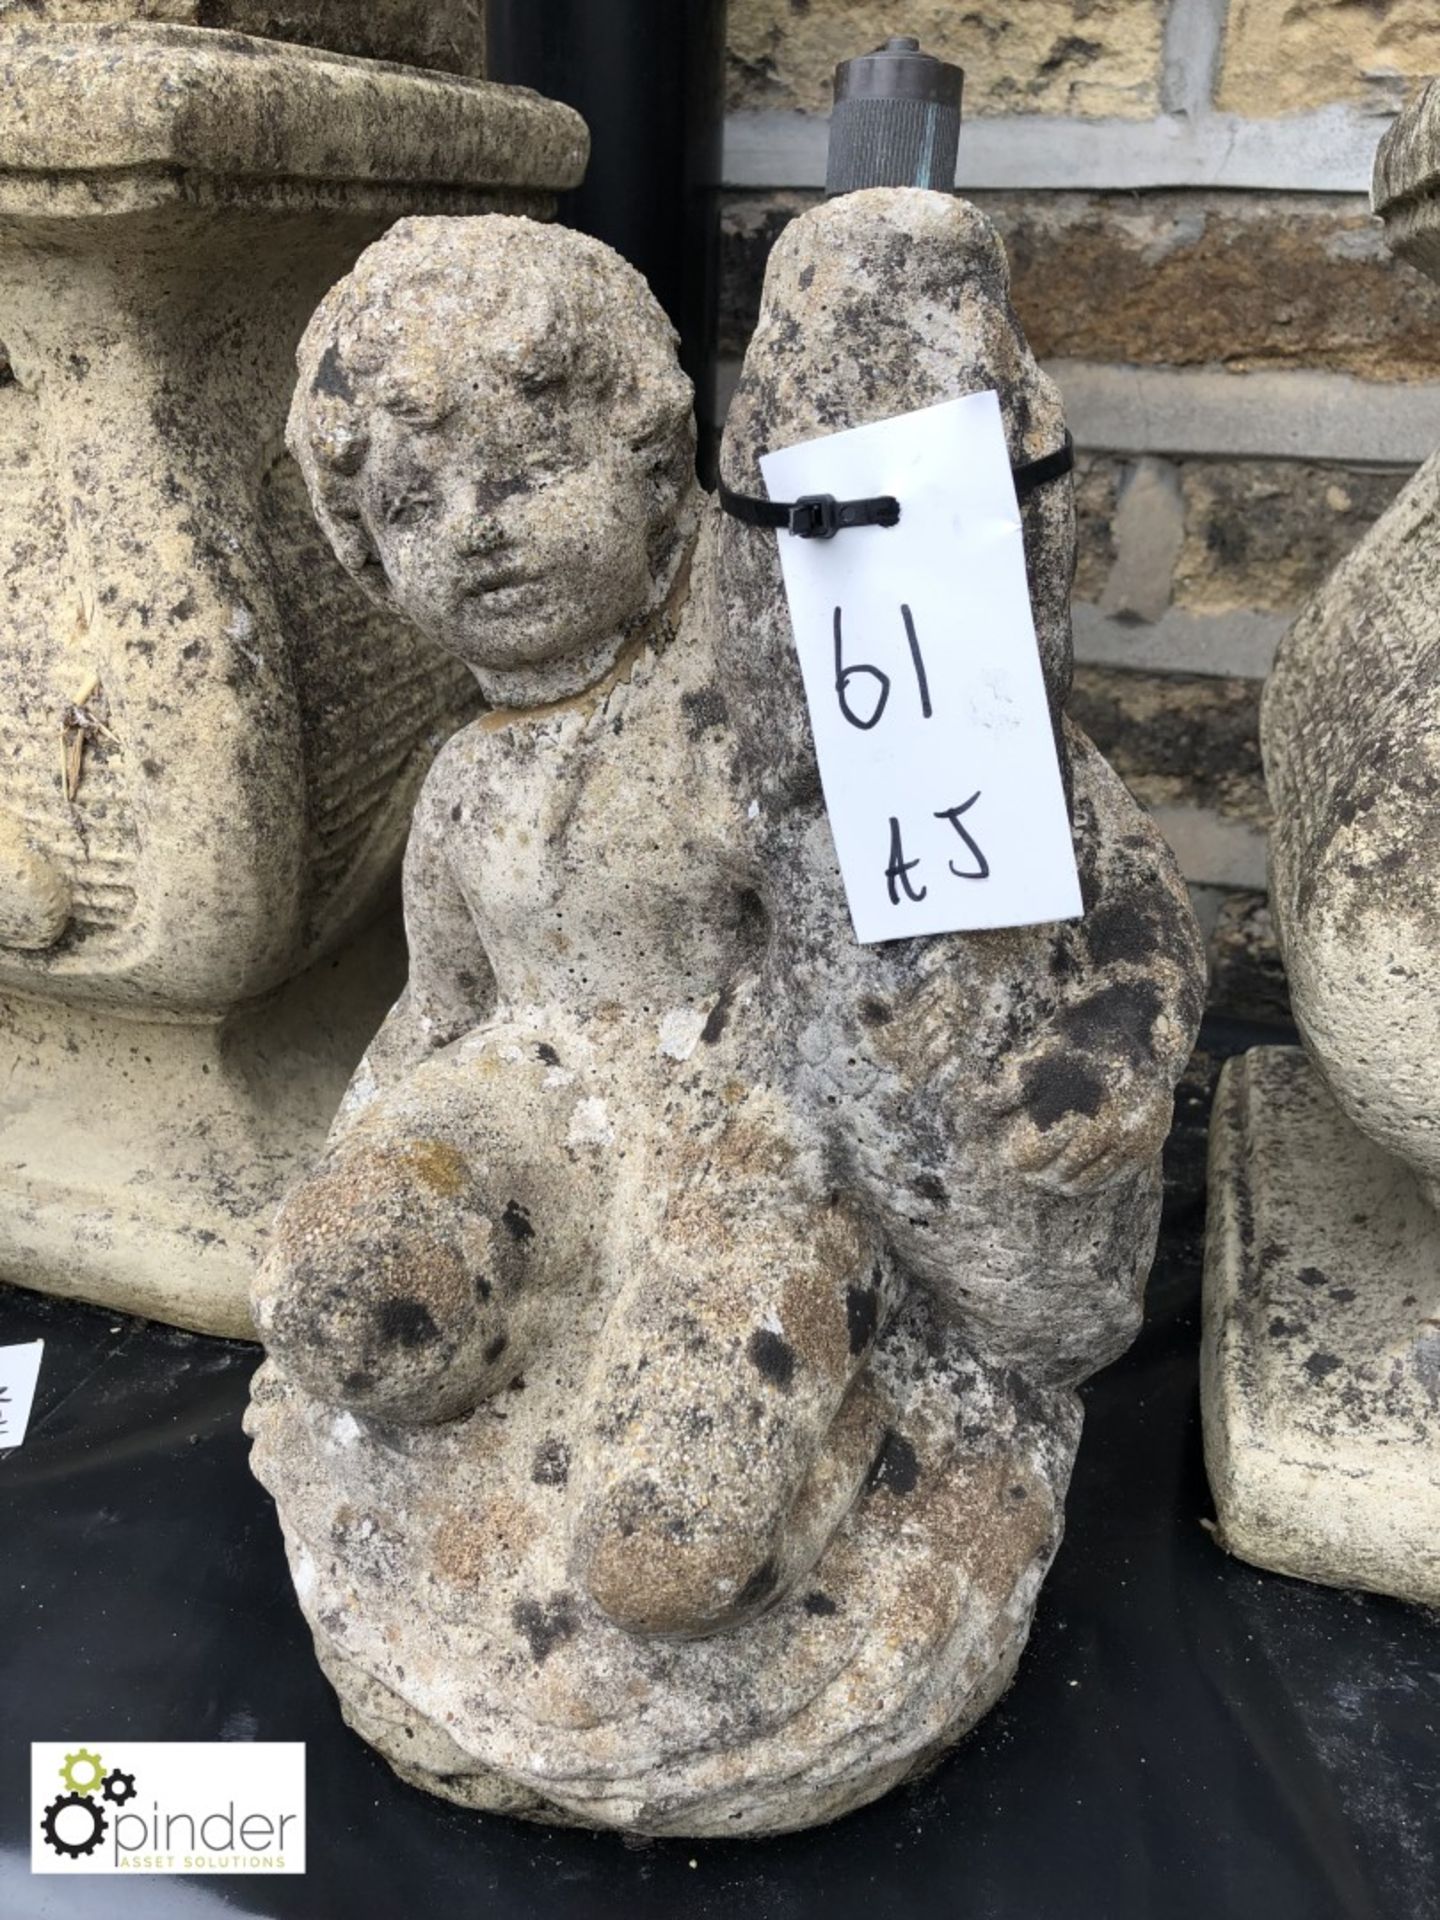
(1183, 189)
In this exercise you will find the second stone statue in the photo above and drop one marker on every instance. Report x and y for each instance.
(671, 1382)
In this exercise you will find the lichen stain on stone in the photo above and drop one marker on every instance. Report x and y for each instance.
(439, 1166)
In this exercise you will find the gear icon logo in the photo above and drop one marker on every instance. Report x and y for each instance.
(118, 1787)
(78, 1840)
(77, 1820)
(89, 1765)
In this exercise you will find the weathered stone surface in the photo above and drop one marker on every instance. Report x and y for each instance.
(447, 34)
(1187, 746)
(1407, 172)
(1319, 1414)
(209, 741)
(1230, 279)
(1265, 533)
(1307, 53)
(1148, 533)
(1257, 538)
(1353, 765)
(1049, 56)
(137, 104)
(670, 1393)
(1178, 739)
(1328, 1171)
(1097, 494)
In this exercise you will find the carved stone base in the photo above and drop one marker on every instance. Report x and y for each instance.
(1320, 1368)
(141, 1161)
(506, 1689)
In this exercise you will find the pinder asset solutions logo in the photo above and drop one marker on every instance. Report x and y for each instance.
(179, 1807)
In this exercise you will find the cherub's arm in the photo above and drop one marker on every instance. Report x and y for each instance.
(451, 985)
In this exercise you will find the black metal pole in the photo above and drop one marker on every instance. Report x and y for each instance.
(649, 77)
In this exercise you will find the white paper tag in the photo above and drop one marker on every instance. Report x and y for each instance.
(923, 678)
(19, 1371)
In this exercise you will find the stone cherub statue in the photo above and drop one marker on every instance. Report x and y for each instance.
(670, 1394)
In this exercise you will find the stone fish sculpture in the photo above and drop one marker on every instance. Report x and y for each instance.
(670, 1394)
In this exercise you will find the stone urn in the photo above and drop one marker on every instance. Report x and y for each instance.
(1320, 1367)
(210, 738)
(670, 1393)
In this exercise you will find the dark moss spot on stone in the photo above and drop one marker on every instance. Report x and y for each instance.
(1342, 1295)
(774, 1357)
(359, 1382)
(820, 1604)
(1119, 931)
(874, 1013)
(719, 1016)
(807, 274)
(517, 1222)
(704, 707)
(1347, 807)
(496, 1347)
(483, 1289)
(760, 1586)
(548, 1054)
(551, 1464)
(862, 1316)
(1126, 1011)
(1053, 1088)
(407, 1323)
(545, 1624)
(331, 377)
(929, 1188)
(896, 1467)
(1320, 1365)
(1312, 1277)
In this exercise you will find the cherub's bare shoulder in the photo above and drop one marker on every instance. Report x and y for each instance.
(464, 770)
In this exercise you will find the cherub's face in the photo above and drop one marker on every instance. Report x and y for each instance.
(514, 533)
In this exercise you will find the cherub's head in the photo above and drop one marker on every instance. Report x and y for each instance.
(498, 442)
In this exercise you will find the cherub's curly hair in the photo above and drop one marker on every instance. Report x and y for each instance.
(548, 306)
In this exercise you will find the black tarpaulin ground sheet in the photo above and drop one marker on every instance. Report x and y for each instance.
(1186, 1737)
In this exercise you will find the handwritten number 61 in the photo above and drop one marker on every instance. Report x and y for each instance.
(897, 873)
(844, 675)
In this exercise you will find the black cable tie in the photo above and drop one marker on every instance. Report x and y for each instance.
(820, 516)
(1050, 466)
(815, 516)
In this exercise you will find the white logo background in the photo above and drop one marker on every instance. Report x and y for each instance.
(182, 1807)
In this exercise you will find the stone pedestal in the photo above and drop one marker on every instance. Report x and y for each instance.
(210, 740)
(443, 34)
(1322, 1339)
(1321, 1358)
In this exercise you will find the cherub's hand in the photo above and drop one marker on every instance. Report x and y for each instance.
(1075, 1123)
(381, 1287)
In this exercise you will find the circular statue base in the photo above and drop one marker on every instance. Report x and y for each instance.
(432, 1566)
